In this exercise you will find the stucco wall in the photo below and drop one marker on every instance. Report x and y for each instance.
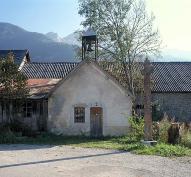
(176, 105)
(89, 87)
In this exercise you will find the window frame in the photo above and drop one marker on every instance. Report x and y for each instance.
(79, 114)
(27, 109)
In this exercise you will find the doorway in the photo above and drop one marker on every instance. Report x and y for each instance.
(96, 121)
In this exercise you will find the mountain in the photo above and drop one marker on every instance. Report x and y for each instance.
(42, 47)
(54, 37)
(72, 39)
(51, 47)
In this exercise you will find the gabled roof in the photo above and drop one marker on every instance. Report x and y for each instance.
(18, 55)
(95, 64)
(167, 76)
(48, 70)
(40, 88)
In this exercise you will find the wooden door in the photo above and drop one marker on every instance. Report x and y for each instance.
(96, 121)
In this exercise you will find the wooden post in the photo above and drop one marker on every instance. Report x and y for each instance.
(1, 113)
(45, 114)
(148, 69)
(11, 111)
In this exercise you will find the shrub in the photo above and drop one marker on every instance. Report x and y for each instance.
(164, 126)
(186, 140)
(16, 126)
(165, 150)
(185, 135)
(155, 128)
(6, 135)
(21, 128)
(136, 128)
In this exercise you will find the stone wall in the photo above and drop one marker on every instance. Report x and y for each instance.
(176, 105)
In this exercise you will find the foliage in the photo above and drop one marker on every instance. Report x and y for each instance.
(136, 128)
(6, 135)
(13, 82)
(164, 126)
(157, 114)
(118, 143)
(21, 129)
(165, 150)
(155, 128)
(125, 32)
(185, 133)
(186, 139)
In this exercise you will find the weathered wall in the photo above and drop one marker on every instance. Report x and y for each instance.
(176, 105)
(36, 122)
(88, 87)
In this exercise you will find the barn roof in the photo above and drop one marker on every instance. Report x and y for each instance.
(18, 55)
(167, 76)
(172, 76)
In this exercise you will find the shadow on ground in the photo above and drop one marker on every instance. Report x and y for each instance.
(59, 159)
(18, 147)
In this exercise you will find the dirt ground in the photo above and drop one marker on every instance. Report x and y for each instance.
(66, 161)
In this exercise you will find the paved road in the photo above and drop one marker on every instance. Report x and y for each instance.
(66, 161)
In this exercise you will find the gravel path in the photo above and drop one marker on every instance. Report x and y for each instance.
(66, 161)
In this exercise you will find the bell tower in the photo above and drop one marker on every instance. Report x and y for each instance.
(89, 44)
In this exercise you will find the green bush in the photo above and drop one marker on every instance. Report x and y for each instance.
(186, 139)
(6, 135)
(155, 128)
(164, 126)
(165, 150)
(20, 128)
(136, 128)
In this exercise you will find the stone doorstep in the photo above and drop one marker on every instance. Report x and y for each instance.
(149, 143)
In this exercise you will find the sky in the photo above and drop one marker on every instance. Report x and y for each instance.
(61, 16)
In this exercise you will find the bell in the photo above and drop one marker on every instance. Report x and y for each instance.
(89, 48)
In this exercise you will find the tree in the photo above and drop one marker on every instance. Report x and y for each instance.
(13, 83)
(125, 33)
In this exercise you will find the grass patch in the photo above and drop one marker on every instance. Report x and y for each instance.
(119, 143)
(165, 150)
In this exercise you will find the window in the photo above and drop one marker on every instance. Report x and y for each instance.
(79, 114)
(139, 106)
(27, 109)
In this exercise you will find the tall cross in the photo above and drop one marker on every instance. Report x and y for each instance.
(148, 69)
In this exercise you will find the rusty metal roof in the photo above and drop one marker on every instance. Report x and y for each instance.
(39, 88)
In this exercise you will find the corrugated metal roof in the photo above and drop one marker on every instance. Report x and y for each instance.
(172, 77)
(167, 76)
(18, 55)
(48, 70)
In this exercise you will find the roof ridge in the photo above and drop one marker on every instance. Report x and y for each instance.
(157, 62)
(13, 49)
(59, 62)
(172, 62)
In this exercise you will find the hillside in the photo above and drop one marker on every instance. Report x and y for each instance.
(42, 48)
